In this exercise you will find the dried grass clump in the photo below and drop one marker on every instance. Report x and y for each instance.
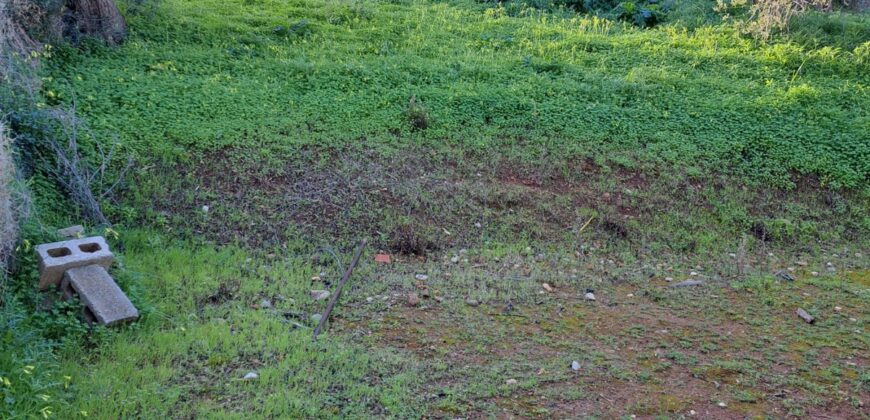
(8, 218)
(768, 17)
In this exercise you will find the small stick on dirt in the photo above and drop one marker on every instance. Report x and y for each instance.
(586, 224)
(805, 316)
(337, 293)
(513, 315)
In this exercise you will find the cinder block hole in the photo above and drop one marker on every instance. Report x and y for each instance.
(59, 252)
(89, 316)
(91, 247)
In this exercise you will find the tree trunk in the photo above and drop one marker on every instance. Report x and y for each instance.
(13, 38)
(97, 18)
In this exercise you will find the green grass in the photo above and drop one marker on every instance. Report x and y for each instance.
(293, 121)
(272, 77)
(200, 335)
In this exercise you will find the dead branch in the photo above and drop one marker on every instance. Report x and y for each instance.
(335, 296)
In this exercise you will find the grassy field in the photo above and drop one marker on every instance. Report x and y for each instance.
(509, 160)
(277, 77)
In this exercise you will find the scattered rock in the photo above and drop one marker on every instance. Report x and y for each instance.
(688, 283)
(319, 294)
(631, 295)
(547, 287)
(316, 318)
(589, 296)
(472, 302)
(413, 300)
(815, 273)
(784, 276)
(801, 263)
(722, 404)
(478, 225)
(250, 376)
(669, 279)
(455, 259)
(693, 273)
(692, 412)
(421, 277)
(205, 209)
(575, 366)
(805, 316)
(265, 304)
(837, 308)
(511, 382)
(71, 232)
(370, 299)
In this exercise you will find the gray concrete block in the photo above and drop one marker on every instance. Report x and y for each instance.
(105, 301)
(71, 232)
(57, 257)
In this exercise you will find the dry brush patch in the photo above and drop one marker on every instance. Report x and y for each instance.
(416, 202)
(8, 219)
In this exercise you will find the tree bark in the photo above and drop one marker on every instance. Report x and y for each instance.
(13, 38)
(97, 18)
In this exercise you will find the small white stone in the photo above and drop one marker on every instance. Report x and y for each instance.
(589, 296)
(251, 376)
(510, 382)
(837, 308)
(421, 277)
(369, 299)
(669, 279)
(692, 412)
(575, 366)
(455, 259)
(815, 273)
(722, 404)
(693, 273)
(319, 294)
(631, 295)
(205, 209)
